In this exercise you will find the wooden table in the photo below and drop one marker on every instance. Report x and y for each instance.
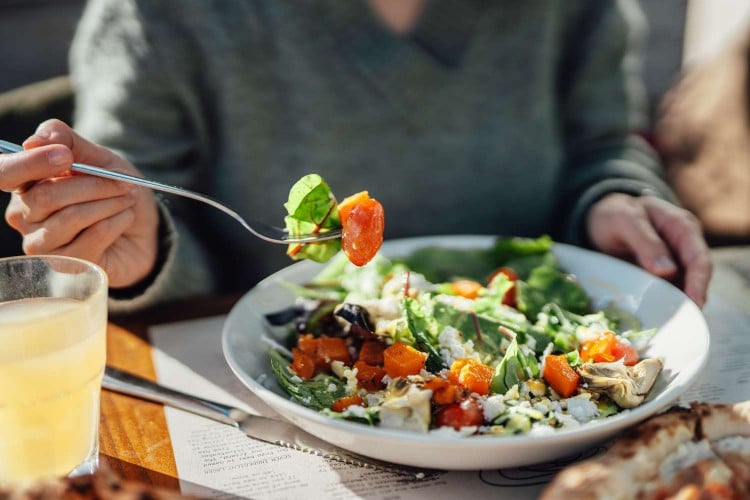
(133, 437)
(135, 442)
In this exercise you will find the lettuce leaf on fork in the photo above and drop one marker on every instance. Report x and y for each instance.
(312, 208)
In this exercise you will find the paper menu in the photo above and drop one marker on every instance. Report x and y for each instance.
(217, 461)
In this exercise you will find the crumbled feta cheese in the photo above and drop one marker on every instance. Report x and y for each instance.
(539, 429)
(524, 390)
(541, 408)
(395, 286)
(344, 372)
(332, 387)
(355, 411)
(566, 420)
(511, 394)
(457, 302)
(492, 407)
(373, 398)
(582, 409)
(453, 347)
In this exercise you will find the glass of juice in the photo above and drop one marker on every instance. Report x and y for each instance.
(53, 320)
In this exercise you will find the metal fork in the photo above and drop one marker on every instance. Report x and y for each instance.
(266, 232)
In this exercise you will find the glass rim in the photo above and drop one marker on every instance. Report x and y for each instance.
(49, 257)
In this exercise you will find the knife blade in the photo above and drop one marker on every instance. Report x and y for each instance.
(269, 430)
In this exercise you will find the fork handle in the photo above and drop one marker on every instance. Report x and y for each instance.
(133, 385)
(9, 147)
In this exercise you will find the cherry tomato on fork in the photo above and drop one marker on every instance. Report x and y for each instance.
(363, 222)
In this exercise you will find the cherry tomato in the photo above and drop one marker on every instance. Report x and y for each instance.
(362, 231)
(465, 414)
(608, 347)
(509, 299)
(622, 350)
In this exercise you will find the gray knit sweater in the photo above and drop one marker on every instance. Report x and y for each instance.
(493, 117)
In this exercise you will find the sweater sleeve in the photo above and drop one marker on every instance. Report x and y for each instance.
(602, 106)
(131, 97)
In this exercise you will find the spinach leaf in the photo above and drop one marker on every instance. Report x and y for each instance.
(317, 393)
(547, 284)
(424, 329)
(514, 368)
(312, 207)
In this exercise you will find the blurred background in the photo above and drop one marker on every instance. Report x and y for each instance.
(35, 36)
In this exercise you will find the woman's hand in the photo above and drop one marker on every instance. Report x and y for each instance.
(654, 233)
(57, 211)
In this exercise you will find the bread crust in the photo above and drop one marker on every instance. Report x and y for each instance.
(633, 465)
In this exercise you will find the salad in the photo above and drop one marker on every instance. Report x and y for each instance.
(312, 209)
(495, 341)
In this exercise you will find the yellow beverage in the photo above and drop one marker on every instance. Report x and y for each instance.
(52, 356)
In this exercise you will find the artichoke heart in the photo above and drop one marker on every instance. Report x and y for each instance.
(626, 386)
(405, 406)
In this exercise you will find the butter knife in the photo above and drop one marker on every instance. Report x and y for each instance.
(265, 429)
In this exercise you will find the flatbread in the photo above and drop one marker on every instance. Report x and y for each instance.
(700, 452)
(101, 485)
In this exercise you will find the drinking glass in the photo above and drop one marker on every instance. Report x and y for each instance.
(53, 321)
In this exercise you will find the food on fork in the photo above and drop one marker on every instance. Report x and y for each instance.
(313, 209)
(496, 341)
(697, 453)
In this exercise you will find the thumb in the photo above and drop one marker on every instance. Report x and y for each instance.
(58, 132)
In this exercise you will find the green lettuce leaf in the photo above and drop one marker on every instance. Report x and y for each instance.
(511, 370)
(317, 393)
(424, 328)
(547, 284)
(312, 208)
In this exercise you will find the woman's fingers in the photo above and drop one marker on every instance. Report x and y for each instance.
(618, 225)
(655, 233)
(19, 170)
(648, 248)
(49, 196)
(58, 132)
(683, 233)
(65, 225)
(96, 239)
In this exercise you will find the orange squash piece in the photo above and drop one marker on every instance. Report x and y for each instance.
(472, 375)
(307, 344)
(342, 404)
(302, 364)
(560, 376)
(443, 391)
(369, 377)
(468, 289)
(401, 360)
(332, 349)
(371, 352)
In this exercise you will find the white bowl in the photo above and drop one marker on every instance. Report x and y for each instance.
(682, 342)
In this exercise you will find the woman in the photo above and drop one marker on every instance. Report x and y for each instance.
(460, 117)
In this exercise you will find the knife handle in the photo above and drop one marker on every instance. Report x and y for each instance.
(133, 385)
